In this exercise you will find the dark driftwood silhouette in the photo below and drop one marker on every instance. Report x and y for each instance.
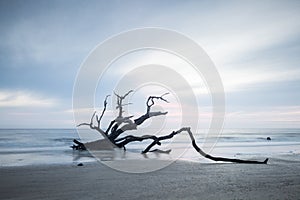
(124, 123)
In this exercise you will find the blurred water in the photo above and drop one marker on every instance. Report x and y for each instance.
(37, 146)
(52, 146)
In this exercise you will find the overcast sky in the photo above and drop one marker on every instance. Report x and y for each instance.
(255, 46)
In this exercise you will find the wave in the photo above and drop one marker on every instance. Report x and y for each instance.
(54, 144)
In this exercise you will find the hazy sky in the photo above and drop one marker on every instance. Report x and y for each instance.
(255, 45)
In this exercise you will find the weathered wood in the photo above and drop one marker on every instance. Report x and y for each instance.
(78, 145)
(198, 149)
(122, 124)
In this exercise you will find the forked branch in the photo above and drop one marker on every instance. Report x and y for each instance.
(121, 124)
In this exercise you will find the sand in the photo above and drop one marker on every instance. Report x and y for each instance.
(180, 180)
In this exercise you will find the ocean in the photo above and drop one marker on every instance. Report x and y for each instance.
(20, 147)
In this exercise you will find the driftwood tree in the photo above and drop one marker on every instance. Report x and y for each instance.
(113, 133)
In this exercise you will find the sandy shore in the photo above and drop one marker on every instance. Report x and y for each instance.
(181, 180)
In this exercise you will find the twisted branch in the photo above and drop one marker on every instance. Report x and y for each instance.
(122, 124)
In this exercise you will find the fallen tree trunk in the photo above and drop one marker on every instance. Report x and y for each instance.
(157, 141)
(122, 124)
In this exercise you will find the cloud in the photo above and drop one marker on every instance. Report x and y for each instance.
(251, 43)
(235, 80)
(276, 116)
(234, 45)
(25, 99)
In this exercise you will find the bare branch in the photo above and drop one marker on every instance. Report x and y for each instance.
(200, 151)
(150, 101)
(127, 94)
(103, 133)
(92, 118)
(121, 120)
(122, 124)
(127, 139)
(120, 100)
(98, 120)
(103, 111)
(88, 124)
(83, 124)
(109, 127)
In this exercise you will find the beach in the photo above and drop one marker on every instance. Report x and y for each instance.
(280, 179)
(39, 164)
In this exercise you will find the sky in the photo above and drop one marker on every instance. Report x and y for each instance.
(255, 46)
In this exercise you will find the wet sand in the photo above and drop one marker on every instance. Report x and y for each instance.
(280, 179)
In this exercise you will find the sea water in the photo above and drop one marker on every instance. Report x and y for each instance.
(20, 147)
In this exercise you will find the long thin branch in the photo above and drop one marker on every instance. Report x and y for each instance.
(198, 149)
(220, 158)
